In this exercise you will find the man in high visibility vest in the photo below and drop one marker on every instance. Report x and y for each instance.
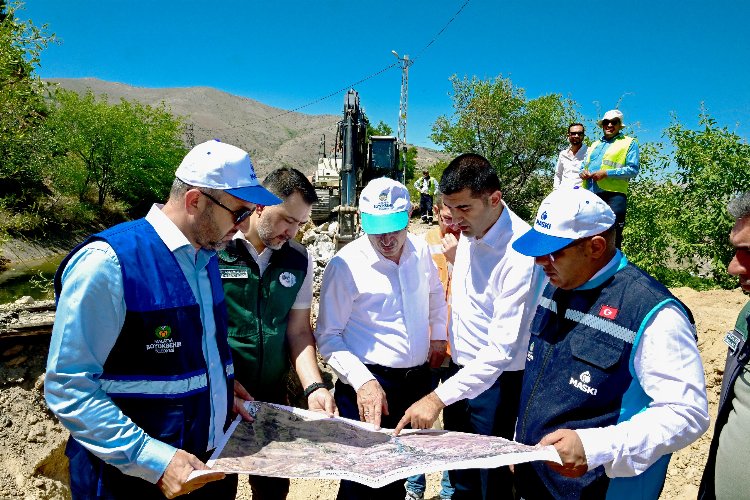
(609, 165)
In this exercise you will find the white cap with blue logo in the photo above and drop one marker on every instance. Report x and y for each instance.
(218, 165)
(565, 215)
(384, 206)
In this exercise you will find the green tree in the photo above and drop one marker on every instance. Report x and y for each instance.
(126, 150)
(677, 218)
(24, 148)
(381, 128)
(521, 137)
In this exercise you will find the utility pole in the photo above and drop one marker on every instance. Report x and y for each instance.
(404, 62)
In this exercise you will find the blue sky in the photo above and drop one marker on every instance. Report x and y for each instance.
(660, 57)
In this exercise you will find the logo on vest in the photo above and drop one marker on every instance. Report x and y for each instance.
(582, 383)
(530, 354)
(287, 279)
(540, 221)
(163, 342)
(608, 312)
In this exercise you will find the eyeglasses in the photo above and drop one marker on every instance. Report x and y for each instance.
(576, 133)
(239, 215)
(557, 253)
(615, 122)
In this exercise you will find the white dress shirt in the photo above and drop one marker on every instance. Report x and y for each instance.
(668, 367)
(374, 311)
(569, 167)
(495, 291)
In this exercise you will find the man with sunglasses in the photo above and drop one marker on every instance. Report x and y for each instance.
(613, 378)
(568, 169)
(139, 368)
(268, 283)
(609, 165)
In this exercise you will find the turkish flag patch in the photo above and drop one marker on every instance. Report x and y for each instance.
(608, 312)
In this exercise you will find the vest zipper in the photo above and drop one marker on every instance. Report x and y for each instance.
(533, 391)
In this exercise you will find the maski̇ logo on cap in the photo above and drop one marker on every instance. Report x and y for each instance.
(383, 203)
(541, 219)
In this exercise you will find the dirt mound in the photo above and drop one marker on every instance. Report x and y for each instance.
(33, 465)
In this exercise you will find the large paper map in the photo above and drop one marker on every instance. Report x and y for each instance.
(289, 442)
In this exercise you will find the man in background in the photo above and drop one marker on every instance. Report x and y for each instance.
(267, 279)
(568, 169)
(139, 368)
(427, 187)
(610, 164)
(725, 475)
(382, 319)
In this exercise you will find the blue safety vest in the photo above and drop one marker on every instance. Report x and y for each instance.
(579, 374)
(156, 372)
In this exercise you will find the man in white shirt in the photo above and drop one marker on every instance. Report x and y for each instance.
(382, 319)
(494, 291)
(613, 377)
(568, 169)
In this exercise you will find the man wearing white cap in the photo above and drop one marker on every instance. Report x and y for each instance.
(613, 378)
(382, 319)
(139, 368)
(609, 165)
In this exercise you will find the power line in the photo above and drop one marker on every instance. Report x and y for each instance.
(377, 73)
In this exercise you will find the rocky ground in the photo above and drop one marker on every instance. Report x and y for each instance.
(33, 466)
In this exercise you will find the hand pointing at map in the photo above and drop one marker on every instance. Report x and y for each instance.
(422, 414)
(372, 403)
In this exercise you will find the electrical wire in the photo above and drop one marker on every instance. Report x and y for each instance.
(373, 75)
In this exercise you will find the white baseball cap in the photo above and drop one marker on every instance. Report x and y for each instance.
(217, 165)
(384, 206)
(566, 215)
(612, 114)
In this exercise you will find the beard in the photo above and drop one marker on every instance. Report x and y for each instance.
(207, 232)
(267, 236)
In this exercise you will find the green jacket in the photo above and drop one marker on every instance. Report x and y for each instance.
(258, 310)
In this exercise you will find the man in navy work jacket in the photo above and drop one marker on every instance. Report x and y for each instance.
(139, 368)
(725, 475)
(613, 378)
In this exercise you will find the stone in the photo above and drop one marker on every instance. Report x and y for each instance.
(26, 299)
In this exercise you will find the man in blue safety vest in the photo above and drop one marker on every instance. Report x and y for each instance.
(139, 368)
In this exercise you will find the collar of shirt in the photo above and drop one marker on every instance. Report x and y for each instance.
(609, 141)
(373, 256)
(171, 235)
(579, 155)
(499, 234)
(615, 264)
(263, 259)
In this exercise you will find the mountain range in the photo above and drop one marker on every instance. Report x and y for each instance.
(273, 136)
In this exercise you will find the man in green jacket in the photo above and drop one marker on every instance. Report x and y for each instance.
(267, 279)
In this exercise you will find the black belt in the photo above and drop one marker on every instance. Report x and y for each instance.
(391, 373)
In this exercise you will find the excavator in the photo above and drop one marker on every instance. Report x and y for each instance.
(356, 160)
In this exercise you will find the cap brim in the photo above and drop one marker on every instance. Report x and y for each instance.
(536, 244)
(255, 194)
(380, 224)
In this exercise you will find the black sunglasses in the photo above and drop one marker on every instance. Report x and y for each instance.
(576, 133)
(239, 215)
(613, 122)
